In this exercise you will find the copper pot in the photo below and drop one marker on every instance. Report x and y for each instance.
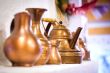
(36, 14)
(55, 57)
(21, 47)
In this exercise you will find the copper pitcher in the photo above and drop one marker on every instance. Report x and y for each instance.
(83, 47)
(61, 33)
(21, 47)
(55, 57)
(36, 14)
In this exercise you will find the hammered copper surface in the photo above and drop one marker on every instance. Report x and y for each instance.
(36, 15)
(21, 47)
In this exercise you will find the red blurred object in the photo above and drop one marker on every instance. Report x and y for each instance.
(71, 9)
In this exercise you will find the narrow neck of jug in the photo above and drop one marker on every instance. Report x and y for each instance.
(36, 14)
(22, 22)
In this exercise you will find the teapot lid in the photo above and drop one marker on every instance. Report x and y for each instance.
(60, 31)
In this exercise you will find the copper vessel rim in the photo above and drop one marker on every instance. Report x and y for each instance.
(23, 12)
(37, 9)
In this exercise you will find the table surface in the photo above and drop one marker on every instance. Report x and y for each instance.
(84, 67)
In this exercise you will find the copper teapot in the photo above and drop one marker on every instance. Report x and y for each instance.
(67, 47)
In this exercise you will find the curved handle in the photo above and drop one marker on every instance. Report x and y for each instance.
(50, 20)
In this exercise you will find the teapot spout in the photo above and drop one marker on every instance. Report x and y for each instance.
(75, 37)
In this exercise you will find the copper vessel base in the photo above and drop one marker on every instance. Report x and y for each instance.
(71, 57)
